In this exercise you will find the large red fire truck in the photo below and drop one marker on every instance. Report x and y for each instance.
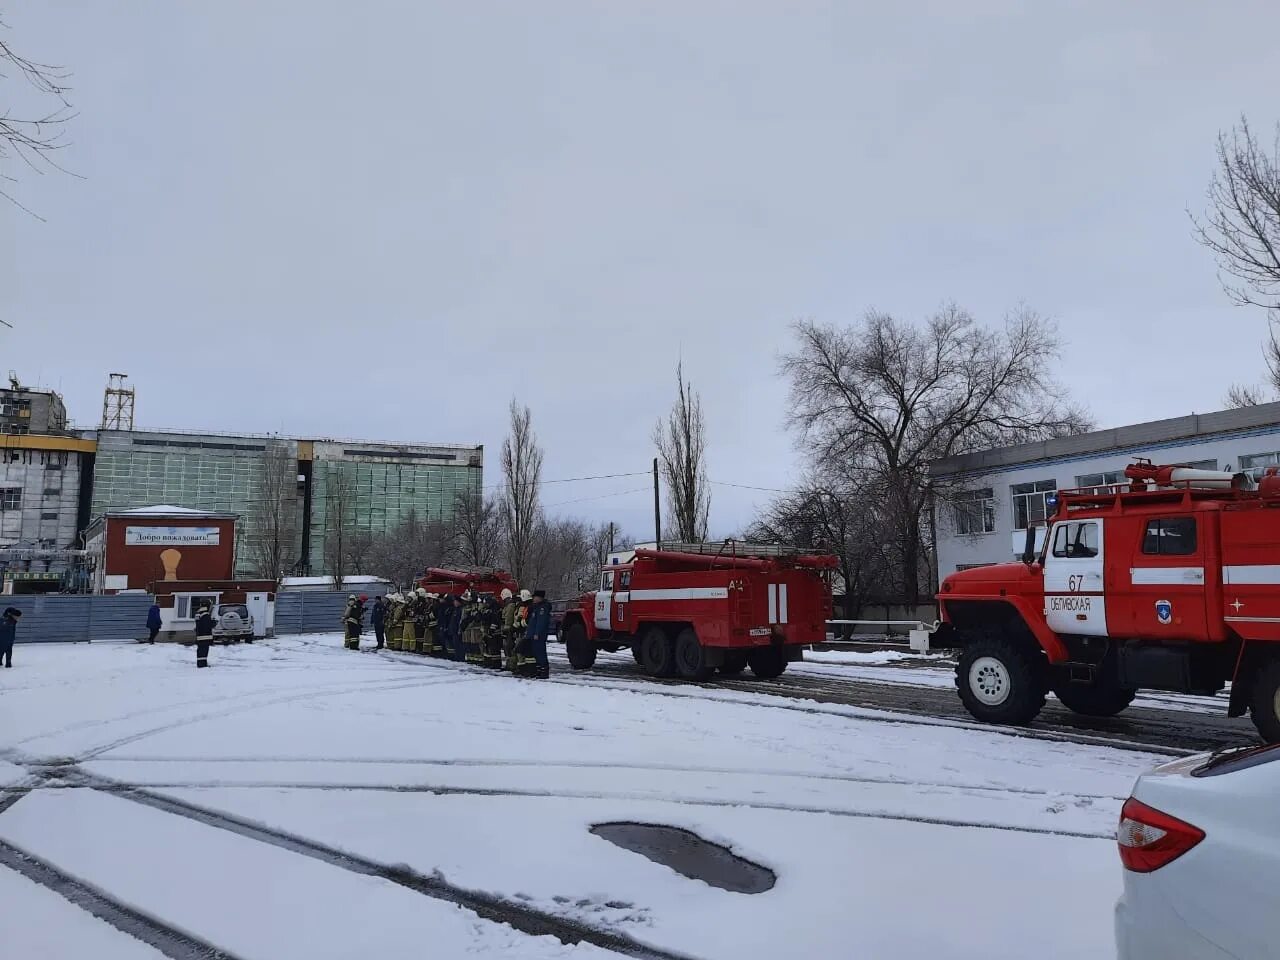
(479, 581)
(704, 608)
(1170, 581)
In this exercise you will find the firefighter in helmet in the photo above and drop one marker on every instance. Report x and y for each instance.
(509, 607)
(353, 621)
(532, 659)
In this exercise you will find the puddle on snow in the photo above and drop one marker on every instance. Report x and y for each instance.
(690, 855)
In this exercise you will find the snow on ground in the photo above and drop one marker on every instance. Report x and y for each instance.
(31, 913)
(905, 839)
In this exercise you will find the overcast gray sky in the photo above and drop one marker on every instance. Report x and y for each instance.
(383, 220)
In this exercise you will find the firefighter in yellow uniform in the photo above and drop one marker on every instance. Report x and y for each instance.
(519, 623)
(353, 621)
(396, 629)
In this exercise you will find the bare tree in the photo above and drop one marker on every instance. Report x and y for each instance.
(883, 398)
(33, 138)
(682, 450)
(339, 521)
(1241, 227)
(521, 496)
(477, 529)
(274, 528)
(403, 554)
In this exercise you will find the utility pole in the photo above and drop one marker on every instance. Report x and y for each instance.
(657, 509)
(611, 536)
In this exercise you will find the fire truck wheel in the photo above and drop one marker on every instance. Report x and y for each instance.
(1265, 704)
(637, 652)
(767, 662)
(658, 653)
(691, 657)
(1103, 698)
(1000, 681)
(734, 664)
(580, 650)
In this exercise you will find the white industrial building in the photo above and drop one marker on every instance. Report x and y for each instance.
(990, 496)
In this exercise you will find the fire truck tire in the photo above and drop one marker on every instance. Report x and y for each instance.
(1264, 706)
(1101, 699)
(658, 653)
(767, 663)
(637, 652)
(734, 664)
(1001, 681)
(691, 656)
(579, 649)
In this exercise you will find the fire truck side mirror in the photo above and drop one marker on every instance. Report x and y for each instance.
(1029, 547)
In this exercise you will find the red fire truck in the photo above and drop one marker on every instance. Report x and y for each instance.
(481, 580)
(704, 608)
(1170, 581)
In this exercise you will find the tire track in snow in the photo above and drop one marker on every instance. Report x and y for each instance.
(496, 909)
(644, 767)
(168, 940)
(133, 792)
(294, 697)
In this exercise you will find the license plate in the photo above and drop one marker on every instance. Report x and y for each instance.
(759, 632)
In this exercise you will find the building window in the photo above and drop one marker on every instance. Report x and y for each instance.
(1092, 481)
(1076, 541)
(10, 498)
(1029, 503)
(1256, 463)
(1172, 537)
(975, 511)
(48, 516)
(186, 604)
(1202, 465)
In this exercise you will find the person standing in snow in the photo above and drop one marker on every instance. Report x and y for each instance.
(353, 622)
(379, 618)
(153, 622)
(535, 634)
(204, 635)
(8, 633)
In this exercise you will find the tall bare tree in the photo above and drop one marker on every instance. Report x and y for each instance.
(477, 529)
(682, 452)
(34, 137)
(273, 532)
(340, 528)
(883, 398)
(521, 494)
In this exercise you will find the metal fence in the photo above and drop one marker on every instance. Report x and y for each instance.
(306, 611)
(78, 619)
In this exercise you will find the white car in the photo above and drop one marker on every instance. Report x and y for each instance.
(1200, 844)
(232, 623)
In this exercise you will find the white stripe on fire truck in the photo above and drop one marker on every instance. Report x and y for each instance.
(683, 593)
(1260, 573)
(773, 603)
(1252, 619)
(1161, 576)
(782, 603)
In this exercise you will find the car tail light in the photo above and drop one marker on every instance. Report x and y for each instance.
(1150, 839)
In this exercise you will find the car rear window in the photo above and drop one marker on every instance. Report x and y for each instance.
(237, 608)
(1241, 758)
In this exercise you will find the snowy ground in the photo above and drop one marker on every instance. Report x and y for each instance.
(300, 800)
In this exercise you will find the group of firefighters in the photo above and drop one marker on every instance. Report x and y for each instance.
(508, 631)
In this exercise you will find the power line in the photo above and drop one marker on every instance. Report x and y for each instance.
(603, 476)
(619, 493)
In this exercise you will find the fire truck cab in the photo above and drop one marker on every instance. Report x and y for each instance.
(1168, 582)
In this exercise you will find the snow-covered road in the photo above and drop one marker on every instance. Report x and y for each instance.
(300, 800)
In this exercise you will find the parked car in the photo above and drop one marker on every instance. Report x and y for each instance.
(1200, 844)
(233, 623)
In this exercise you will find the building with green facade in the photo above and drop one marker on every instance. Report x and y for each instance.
(306, 491)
